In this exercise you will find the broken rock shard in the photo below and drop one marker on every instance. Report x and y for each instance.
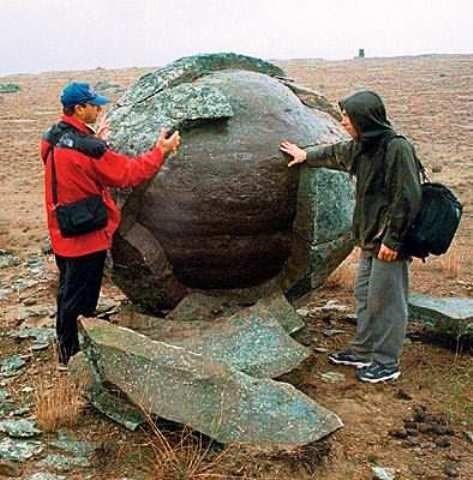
(211, 397)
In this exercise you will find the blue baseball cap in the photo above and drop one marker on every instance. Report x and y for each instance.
(80, 92)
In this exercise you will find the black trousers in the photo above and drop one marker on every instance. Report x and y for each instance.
(80, 279)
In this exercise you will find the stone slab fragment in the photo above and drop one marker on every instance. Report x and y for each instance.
(21, 428)
(63, 463)
(69, 444)
(109, 404)
(211, 397)
(254, 340)
(19, 450)
(11, 366)
(451, 316)
(46, 476)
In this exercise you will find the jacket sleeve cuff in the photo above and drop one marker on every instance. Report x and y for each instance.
(390, 242)
(315, 156)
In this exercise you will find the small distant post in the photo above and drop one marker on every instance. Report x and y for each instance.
(361, 53)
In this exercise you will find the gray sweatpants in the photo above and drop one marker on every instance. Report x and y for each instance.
(381, 293)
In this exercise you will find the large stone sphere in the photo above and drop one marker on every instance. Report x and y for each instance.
(220, 214)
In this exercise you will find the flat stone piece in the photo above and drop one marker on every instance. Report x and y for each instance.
(333, 377)
(11, 366)
(107, 307)
(277, 305)
(211, 397)
(8, 259)
(19, 428)
(70, 444)
(9, 88)
(4, 292)
(178, 107)
(62, 463)
(6, 408)
(21, 411)
(188, 69)
(254, 340)
(115, 408)
(217, 303)
(112, 405)
(46, 476)
(23, 313)
(450, 316)
(380, 473)
(42, 337)
(3, 394)
(19, 450)
(198, 306)
(249, 341)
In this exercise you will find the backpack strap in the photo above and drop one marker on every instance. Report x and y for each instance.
(66, 136)
(423, 175)
(53, 136)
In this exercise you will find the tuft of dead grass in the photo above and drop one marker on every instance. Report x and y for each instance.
(451, 262)
(57, 404)
(185, 455)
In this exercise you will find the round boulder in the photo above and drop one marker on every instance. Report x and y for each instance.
(223, 213)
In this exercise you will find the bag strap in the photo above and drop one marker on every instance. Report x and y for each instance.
(423, 175)
(54, 139)
(53, 176)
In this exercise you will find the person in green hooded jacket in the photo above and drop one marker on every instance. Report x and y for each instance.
(388, 197)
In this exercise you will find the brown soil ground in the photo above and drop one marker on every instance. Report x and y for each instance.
(430, 99)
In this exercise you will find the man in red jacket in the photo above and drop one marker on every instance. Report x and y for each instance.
(80, 165)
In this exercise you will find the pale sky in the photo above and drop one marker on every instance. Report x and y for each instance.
(45, 35)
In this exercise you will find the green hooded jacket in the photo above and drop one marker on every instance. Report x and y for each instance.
(388, 192)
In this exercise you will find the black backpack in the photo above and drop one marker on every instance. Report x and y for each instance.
(435, 225)
(437, 221)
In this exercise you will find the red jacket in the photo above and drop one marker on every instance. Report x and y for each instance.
(81, 175)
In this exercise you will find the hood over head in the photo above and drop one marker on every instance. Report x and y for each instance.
(368, 114)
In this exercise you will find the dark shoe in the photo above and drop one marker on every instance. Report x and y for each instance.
(348, 358)
(376, 373)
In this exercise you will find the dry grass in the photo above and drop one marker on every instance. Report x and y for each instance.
(58, 404)
(185, 456)
(451, 263)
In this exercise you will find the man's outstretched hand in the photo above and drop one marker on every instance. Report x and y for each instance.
(298, 155)
(168, 145)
